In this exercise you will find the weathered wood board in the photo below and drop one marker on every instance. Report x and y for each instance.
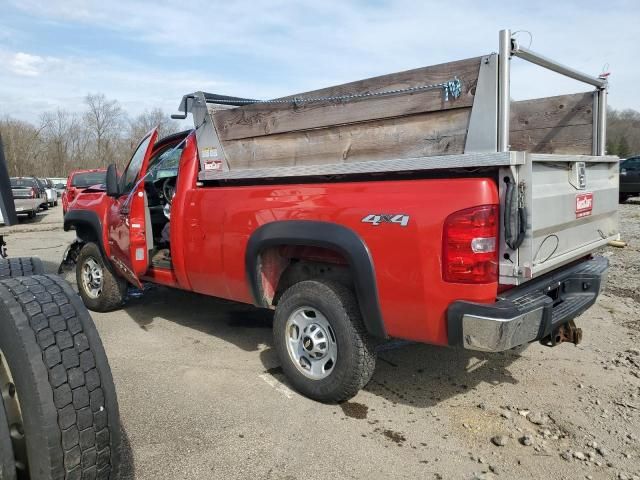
(562, 124)
(271, 118)
(435, 133)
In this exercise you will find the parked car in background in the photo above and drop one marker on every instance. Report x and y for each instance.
(52, 194)
(59, 184)
(28, 195)
(43, 193)
(78, 180)
(629, 178)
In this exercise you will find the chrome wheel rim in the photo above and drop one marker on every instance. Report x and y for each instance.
(311, 343)
(13, 414)
(92, 278)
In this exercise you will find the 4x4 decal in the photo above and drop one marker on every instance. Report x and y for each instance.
(377, 219)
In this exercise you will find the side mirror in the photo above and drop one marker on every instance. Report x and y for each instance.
(113, 187)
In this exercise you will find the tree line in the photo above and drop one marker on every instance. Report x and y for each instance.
(623, 132)
(104, 133)
(62, 141)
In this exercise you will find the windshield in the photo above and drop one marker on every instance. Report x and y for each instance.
(88, 179)
(60, 185)
(22, 183)
(166, 163)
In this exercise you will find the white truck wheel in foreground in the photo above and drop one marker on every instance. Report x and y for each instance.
(60, 404)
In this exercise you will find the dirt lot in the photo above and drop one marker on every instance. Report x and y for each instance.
(201, 393)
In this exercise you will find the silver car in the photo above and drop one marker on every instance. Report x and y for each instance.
(52, 194)
(27, 195)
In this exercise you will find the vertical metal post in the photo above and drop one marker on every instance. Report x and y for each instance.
(601, 131)
(504, 73)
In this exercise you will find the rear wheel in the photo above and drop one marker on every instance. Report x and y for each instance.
(45, 206)
(59, 402)
(101, 290)
(321, 341)
(20, 267)
(32, 214)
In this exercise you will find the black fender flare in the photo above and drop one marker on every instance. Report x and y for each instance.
(326, 235)
(86, 219)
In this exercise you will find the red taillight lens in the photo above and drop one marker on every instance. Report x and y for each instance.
(470, 245)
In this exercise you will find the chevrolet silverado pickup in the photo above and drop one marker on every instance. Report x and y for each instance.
(424, 206)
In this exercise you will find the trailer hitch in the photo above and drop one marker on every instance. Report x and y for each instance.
(567, 332)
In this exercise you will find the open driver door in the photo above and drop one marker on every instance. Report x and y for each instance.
(130, 234)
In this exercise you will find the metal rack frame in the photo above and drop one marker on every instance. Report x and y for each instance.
(508, 48)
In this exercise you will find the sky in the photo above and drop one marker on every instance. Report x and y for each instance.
(149, 54)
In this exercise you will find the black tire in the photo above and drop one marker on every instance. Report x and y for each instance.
(356, 357)
(55, 204)
(20, 267)
(114, 288)
(623, 197)
(67, 399)
(45, 206)
(32, 214)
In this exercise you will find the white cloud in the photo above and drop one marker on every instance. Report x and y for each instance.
(32, 84)
(28, 65)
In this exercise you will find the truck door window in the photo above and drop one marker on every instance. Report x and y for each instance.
(130, 175)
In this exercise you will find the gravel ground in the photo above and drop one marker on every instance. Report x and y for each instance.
(201, 393)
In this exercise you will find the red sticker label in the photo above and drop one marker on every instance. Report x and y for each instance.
(584, 204)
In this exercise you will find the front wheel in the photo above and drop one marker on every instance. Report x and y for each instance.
(323, 346)
(101, 290)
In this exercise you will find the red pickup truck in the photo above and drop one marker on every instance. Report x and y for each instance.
(79, 180)
(487, 255)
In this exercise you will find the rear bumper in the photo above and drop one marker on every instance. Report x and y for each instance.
(25, 205)
(529, 312)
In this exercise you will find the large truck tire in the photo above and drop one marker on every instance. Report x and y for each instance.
(323, 345)
(101, 289)
(20, 267)
(59, 398)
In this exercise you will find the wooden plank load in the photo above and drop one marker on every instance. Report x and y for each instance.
(407, 125)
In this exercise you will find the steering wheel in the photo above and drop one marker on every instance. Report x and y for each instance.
(169, 189)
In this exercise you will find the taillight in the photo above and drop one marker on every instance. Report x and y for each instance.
(470, 245)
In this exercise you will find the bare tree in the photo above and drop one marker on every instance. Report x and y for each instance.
(150, 119)
(58, 127)
(104, 120)
(623, 132)
(23, 146)
(63, 141)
